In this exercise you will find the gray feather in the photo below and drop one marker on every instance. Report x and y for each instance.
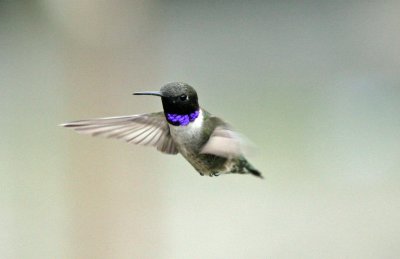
(223, 141)
(146, 129)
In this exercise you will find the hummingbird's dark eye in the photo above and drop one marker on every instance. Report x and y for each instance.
(183, 97)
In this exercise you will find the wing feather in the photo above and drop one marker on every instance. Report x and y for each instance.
(224, 141)
(145, 129)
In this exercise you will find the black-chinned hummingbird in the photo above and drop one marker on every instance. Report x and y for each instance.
(208, 143)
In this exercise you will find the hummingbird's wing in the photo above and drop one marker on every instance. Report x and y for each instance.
(223, 141)
(145, 129)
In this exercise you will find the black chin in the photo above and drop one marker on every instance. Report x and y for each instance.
(172, 106)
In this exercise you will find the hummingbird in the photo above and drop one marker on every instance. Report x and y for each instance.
(207, 142)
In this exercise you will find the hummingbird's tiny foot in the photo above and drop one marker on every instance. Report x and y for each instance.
(214, 174)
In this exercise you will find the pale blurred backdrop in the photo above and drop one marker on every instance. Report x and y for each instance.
(315, 84)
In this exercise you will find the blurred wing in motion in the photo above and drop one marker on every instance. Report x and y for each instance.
(224, 141)
(145, 129)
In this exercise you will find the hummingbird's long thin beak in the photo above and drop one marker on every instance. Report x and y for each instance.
(148, 93)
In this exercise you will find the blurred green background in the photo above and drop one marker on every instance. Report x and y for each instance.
(315, 84)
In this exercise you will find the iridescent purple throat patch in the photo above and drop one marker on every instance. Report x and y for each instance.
(182, 119)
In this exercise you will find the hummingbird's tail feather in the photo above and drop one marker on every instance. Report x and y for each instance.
(256, 173)
(247, 168)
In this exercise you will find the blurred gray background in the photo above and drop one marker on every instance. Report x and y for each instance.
(315, 84)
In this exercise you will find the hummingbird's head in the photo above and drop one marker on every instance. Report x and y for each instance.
(177, 99)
